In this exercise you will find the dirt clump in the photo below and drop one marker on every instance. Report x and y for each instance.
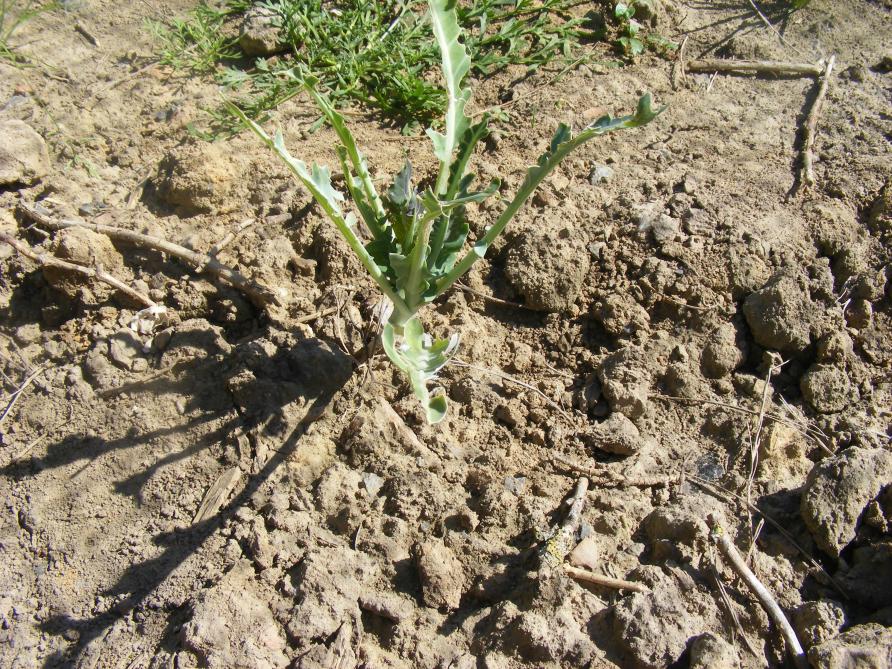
(838, 490)
(548, 269)
(781, 314)
(827, 388)
(232, 626)
(199, 178)
(867, 646)
(442, 576)
(24, 158)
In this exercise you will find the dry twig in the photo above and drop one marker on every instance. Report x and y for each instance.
(591, 577)
(259, 295)
(735, 559)
(97, 273)
(807, 176)
(778, 68)
(562, 538)
(607, 478)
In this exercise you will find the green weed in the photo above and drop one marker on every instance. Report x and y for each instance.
(378, 54)
(418, 246)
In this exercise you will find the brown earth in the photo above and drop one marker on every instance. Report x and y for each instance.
(234, 490)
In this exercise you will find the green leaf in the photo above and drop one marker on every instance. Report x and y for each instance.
(362, 190)
(455, 64)
(465, 150)
(561, 145)
(420, 358)
(401, 203)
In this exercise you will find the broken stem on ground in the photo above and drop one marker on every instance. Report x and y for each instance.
(45, 260)
(809, 131)
(597, 579)
(778, 68)
(259, 295)
(736, 561)
(562, 538)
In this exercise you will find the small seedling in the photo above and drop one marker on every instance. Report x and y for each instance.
(418, 249)
(13, 14)
(629, 28)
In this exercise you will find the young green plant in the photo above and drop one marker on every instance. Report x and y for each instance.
(418, 250)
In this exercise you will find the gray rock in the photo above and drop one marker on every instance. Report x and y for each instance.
(600, 174)
(23, 155)
(781, 313)
(123, 348)
(827, 388)
(860, 647)
(261, 33)
(837, 491)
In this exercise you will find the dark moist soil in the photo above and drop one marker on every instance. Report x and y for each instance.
(233, 489)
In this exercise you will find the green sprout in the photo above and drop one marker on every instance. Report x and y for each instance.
(418, 247)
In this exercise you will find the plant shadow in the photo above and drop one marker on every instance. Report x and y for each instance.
(278, 390)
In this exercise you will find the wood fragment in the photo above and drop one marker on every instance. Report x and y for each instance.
(735, 560)
(230, 237)
(217, 494)
(606, 478)
(562, 538)
(86, 34)
(46, 260)
(777, 68)
(259, 295)
(809, 131)
(597, 579)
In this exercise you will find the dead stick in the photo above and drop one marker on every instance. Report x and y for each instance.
(754, 67)
(227, 240)
(765, 598)
(807, 178)
(591, 577)
(97, 273)
(260, 295)
(605, 477)
(309, 318)
(563, 537)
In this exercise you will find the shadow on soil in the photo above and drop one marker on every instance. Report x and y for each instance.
(309, 377)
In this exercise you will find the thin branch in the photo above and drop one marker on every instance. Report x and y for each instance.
(259, 295)
(766, 599)
(606, 478)
(45, 260)
(591, 577)
(562, 537)
(778, 68)
(807, 176)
